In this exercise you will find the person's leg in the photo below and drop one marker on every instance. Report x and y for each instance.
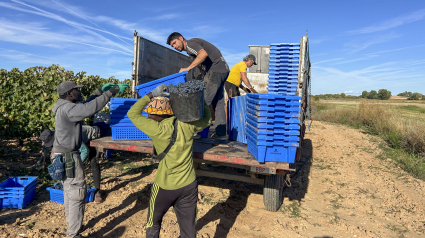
(185, 209)
(218, 105)
(161, 200)
(75, 192)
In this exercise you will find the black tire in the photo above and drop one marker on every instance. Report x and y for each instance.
(273, 192)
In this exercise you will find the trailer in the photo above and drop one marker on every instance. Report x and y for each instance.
(273, 176)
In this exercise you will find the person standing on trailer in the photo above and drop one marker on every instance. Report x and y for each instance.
(215, 70)
(67, 142)
(175, 180)
(237, 75)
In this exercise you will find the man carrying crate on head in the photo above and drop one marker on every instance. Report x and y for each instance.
(68, 139)
(212, 64)
(175, 180)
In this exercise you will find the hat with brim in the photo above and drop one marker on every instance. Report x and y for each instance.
(67, 86)
(48, 137)
(159, 106)
(252, 57)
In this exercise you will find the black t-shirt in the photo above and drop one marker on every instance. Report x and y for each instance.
(214, 61)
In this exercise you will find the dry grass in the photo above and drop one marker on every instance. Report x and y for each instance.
(384, 120)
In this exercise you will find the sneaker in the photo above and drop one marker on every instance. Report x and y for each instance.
(98, 197)
(217, 137)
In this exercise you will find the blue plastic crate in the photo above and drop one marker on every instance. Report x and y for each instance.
(283, 73)
(56, 194)
(205, 131)
(272, 132)
(272, 108)
(284, 61)
(173, 79)
(275, 97)
(285, 44)
(287, 64)
(272, 113)
(281, 92)
(272, 126)
(284, 58)
(275, 102)
(17, 201)
(18, 184)
(273, 153)
(236, 110)
(285, 47)
(285, 54)
(128, 133)
(283, 81)
(283, 84)
(283, 77)
(275, 119)
(292, 140)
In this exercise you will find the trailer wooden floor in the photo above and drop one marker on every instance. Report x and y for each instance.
(228, 152)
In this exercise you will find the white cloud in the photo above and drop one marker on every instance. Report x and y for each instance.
(363, 43)
(330, 60)
(395, 22)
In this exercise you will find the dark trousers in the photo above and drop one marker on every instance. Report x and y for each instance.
(231, 89)
(183, 200)
(95, 167)
(214, 95)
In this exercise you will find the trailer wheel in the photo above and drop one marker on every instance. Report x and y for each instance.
(273, 192)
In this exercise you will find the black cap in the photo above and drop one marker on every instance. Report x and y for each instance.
(252, 57)
(48, 137)
(67, 86)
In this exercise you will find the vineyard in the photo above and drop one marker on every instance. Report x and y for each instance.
(27, 97)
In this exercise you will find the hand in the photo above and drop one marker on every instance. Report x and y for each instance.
(253, 90)
(123, 87)
(107, 86)
(246, 90)
(159, 90)
(114, 90)
(184, 69)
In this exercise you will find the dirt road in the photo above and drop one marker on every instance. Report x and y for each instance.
(343, 190)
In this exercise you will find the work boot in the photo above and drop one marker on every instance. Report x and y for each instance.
(98, 197)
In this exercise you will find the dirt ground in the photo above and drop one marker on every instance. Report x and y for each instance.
(343, 189)
(394, 103)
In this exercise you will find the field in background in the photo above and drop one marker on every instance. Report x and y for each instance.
(401, 123)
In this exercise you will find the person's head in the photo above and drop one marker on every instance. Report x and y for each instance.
(69, 90)
(159, 109)
(249, 60)
(177, 41)
(48, 137)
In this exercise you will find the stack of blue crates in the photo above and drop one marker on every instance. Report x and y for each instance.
(283, 68)
(17, 192)
(272, 126)
(121, 125)
(236, 114)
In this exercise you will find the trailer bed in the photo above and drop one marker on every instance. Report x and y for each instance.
(208, 150)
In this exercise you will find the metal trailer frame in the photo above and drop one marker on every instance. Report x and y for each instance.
(272, 175)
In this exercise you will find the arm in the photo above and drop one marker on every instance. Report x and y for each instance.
(205, 121)
(77, 112)
(202, 55)
(245, 79)
(148, 126)
(96, 94)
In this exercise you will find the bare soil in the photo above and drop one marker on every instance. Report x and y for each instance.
(342, 190)
(395, 102)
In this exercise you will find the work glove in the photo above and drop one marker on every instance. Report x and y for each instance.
(114, 90)
(107, 86)
(159, 91)
(123, 87)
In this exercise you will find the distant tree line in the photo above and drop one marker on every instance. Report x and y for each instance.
(412, 96)
(382, 94)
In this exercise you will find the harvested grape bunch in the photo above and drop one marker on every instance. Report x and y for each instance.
(188, 87)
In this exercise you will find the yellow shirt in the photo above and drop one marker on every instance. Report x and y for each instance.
(235, 73)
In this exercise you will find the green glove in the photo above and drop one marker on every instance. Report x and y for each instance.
(123, 87)
(107, 86)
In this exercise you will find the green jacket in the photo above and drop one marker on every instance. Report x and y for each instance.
(176, 169)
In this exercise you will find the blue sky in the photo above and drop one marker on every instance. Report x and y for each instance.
(354, 45)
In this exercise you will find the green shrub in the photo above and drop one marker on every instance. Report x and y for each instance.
(27, 98)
